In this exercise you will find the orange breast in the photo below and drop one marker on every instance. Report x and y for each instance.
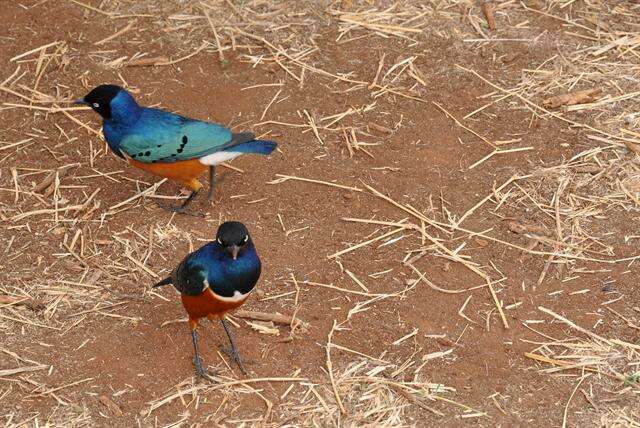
(207, 304)
(184, 172)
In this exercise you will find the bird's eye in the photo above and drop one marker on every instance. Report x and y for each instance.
(245, 239)
(96, 105)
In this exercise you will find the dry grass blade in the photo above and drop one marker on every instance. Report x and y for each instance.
(492, 190)
(276, 318)
(18, 370)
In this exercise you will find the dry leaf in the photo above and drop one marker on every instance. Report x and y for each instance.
(264, 327)
(146, 62)
(632, 184)
(109, 404)
(588, 169)
(632, 147)
(487, 9)
(572, 98)
(33, 304)
(481, 242)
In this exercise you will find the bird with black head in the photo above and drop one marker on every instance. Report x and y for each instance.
(167, 144)
(216, 279)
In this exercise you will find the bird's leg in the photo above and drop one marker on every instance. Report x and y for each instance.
(233, 352)
(196, 359)
(212, 182)
(182, 209)
(188, 200)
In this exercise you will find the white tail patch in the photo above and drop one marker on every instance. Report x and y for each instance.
(218, 157)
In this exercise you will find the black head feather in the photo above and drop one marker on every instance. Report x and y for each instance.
(99, 99)
(233, 233)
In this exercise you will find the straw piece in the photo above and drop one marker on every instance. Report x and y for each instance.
(263, 316)
(117, 34)
(330, 370)
(282, 178)
(572, 324)
(34, 50)
(18, 370)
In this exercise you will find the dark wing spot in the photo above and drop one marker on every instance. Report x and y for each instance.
(184, 140)
(159, 145)
(147, 153)
(179, 150)
(173, 155)
(133, 156)
(140, 154)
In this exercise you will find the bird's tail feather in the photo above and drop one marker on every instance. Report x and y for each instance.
(166, 281)
(261, 147)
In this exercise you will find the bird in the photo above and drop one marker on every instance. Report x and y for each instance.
(215, 279)
(166, 144)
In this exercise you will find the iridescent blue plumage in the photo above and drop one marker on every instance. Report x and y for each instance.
(229, 265)
(154, 135)
(216, 279)
(166, 144)
(224, 275)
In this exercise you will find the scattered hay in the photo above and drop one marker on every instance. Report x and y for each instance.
(557, 214)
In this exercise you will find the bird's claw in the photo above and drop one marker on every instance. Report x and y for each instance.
(203, 373)
(234, 355)
(178, 209)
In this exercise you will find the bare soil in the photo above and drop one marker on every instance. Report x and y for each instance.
(100, 334)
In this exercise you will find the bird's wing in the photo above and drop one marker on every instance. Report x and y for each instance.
(190, 276)
(159, 136)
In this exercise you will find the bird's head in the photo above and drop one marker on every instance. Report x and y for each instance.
(233, 237)
(109, 101)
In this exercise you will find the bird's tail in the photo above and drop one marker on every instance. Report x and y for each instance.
(166, 281)
(260, 147)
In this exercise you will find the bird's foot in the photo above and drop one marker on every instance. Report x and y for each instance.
(180, 209)
(201, 371)
(234, 355)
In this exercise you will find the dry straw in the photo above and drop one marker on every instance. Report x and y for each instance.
(96, 269)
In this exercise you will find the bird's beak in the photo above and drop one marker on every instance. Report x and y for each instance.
(81, 101)
(234, 250)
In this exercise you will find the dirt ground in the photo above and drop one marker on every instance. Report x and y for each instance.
(459, 250)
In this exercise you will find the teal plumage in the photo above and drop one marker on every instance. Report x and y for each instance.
(165, 143)
(153, 135)
(162, 137)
